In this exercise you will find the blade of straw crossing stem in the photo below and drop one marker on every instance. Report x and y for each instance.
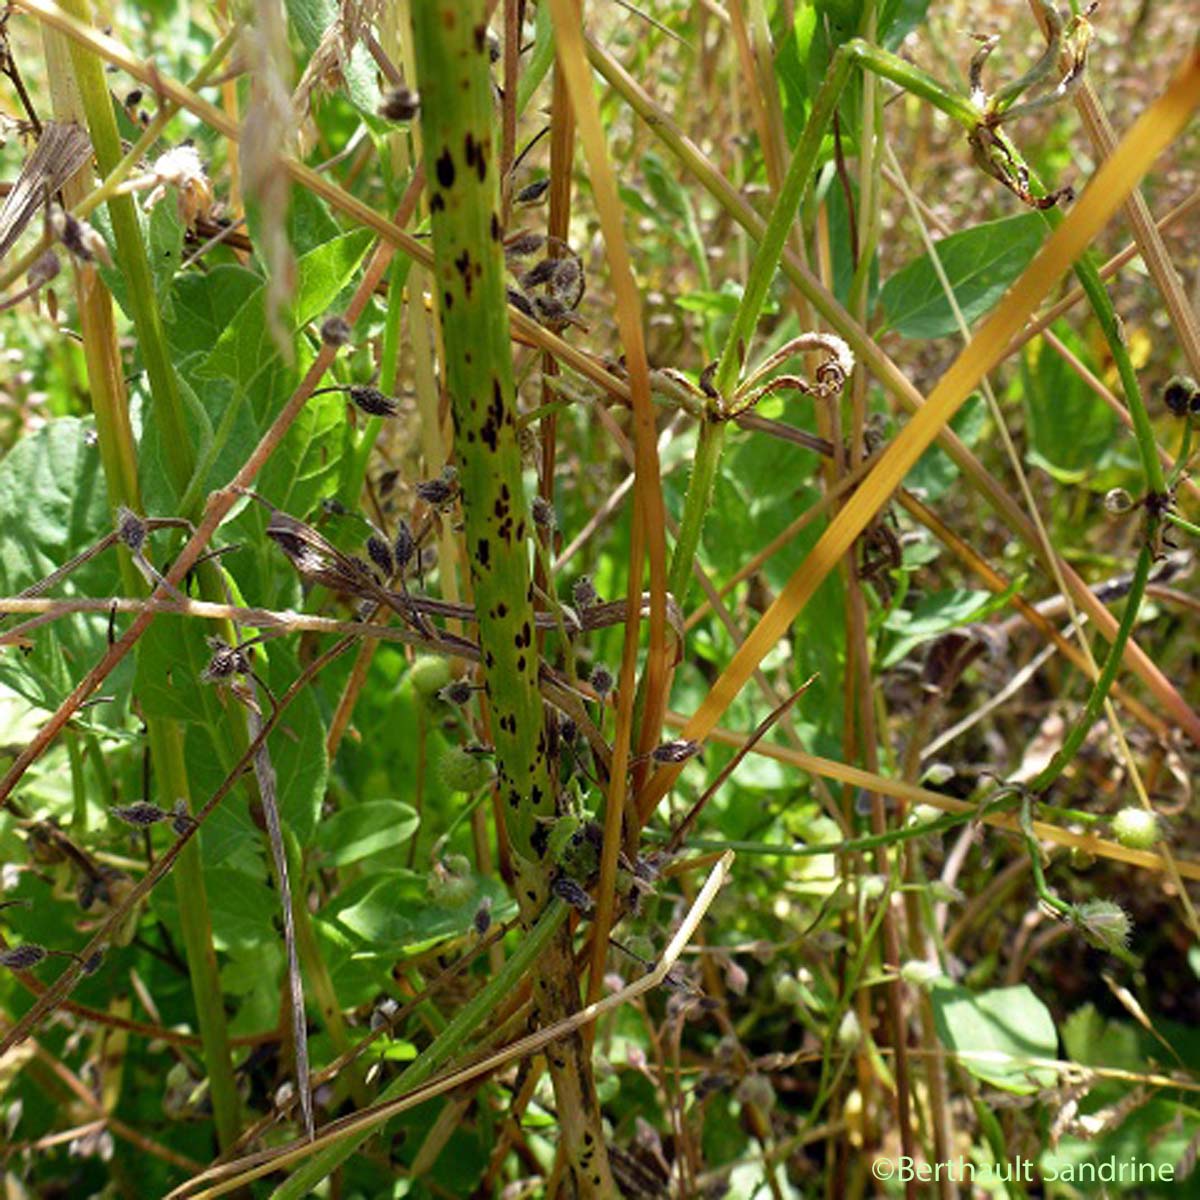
(650, 518)
(1111, 184)
(572, 59)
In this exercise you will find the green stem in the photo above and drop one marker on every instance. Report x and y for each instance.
(1108, 672)
(762, 272)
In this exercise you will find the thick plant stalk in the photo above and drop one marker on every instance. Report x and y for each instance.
(460, 164)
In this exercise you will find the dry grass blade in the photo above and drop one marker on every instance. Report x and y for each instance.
(1112, 183)
(62, 150)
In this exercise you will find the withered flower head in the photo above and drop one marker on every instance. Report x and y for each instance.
(373, 402)
(584, 592)
(182, 169)
(141, 813)
(602, 680)
(131, 529)
(21, 958)
(380, 554)
(335, 330)
(675, 752)
(80, 239)
(405, 545)
(226, 661)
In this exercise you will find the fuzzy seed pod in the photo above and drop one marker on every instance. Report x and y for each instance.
(675, 752)
(404, 547)
(380, 553)
(534, 193)
(435, 492)
(400, 104)
(131, 529)
(335, 330)
(457, 692)
(584, 592)
(464, 770)
(373, 402)
(1136, 828)
(543, 513)
(429, 675)
(21, 958)
(141, 814)
(602, 680)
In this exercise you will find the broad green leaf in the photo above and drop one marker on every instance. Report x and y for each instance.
(54, 502)
(393, 912)
(939, 613)
(204, 307)
(1072, 433)
(241, 906)
(360, 830)
(980, 263)
(997, 1032)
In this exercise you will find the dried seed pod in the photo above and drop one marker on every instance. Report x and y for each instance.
(45, 268)
(675, 752)
(602, 680)
(534, 193)
(80, 239)
(457, 692)
(543, 513)
(436, 492)
(404, 547)
(522, 245)
(583, 592)
(380, 554)
(483, 916)
(131, 529)
(1181, 395)
(373, 402)
(93, 962)
(181, 819)
(400, 104)
(226, 661)
(383, 1013)
(335, 330)
(521, 302)
(141, 814)
(565, 888)
(21, 958)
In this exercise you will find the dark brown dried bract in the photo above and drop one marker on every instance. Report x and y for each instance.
(602, 680)
(675, 752)
(584, 592)
(534, 193)
(131, 529)
(565, 888)
(373, 402)
(380, 553)
(1181, 395)
(21, 958)
(404, 547)
(141, 814)
(226, 662)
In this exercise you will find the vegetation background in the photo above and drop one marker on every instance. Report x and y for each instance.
(960, 920)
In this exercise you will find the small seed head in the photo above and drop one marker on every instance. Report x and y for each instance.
(1181, 395)
(602, 680)
(534, 193)
(457, 692)
(584, 592)
(380, 554)
(404, 547)
(483, 916)
(543, 513)
(335, 330)
(400, 104)
(1136, 828)
(675, 752)
(1118, 501)
(373, 402)
(565, 888)
(131, 529)
(21, 958)
(141, 814)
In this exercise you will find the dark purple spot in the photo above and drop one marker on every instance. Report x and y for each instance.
(445, 169)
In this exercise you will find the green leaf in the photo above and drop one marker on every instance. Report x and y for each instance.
(939, 613)
(53, 479)
(1072, 433)
(997, 1032)
(392, 911)
(241, 906)
(980, 263)
(361, 830)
